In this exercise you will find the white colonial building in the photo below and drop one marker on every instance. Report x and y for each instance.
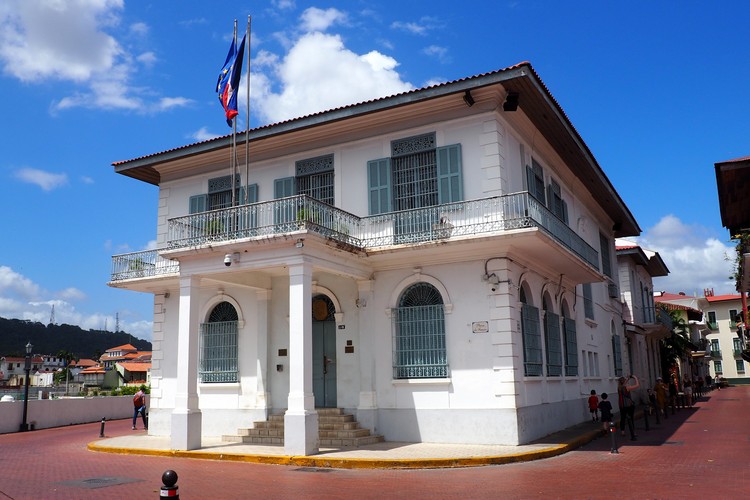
(437, 263)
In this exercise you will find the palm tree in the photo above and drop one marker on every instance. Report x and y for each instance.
(678, 344)
(67, 357)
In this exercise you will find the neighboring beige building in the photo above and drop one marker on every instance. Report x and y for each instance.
(723, 316)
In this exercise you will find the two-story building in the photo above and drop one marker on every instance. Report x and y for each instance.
(645, 324)
(438, 263)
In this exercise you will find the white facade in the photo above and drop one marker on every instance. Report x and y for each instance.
(516, 343)
(724, 346)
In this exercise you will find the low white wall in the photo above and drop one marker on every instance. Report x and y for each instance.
(47, 413)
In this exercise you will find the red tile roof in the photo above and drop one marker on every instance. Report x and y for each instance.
(720, 298)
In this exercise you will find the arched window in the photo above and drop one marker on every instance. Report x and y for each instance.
(419, 334)
(218, 345)
(532, 337)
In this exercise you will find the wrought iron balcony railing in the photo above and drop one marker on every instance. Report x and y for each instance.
(297, 213)
(141, 265)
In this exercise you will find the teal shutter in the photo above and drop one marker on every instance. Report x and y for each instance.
(198, 203)
(450, 181)
(283, 187)
(379, 186)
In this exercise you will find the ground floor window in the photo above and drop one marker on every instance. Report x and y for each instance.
(419, 334)
(218, 345)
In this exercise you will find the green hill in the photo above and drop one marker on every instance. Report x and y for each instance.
(51, 339)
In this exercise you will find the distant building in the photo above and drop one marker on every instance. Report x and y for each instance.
(724, 319)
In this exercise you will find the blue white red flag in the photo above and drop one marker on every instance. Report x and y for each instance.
(229, 80)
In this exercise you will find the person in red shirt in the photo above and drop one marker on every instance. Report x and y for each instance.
(594, 406)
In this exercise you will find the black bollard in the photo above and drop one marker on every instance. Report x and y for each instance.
(169, 490)
(101, 430)
(613, 436)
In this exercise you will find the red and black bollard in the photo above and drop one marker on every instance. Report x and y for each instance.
(613, 436)
(169, 490)
(101, 430)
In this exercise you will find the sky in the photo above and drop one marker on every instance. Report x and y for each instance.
(657, 90)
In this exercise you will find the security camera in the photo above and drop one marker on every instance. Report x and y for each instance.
(493, 288)
(228, 259)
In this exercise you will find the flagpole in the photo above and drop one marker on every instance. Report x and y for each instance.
(233, 149)
(247, 118)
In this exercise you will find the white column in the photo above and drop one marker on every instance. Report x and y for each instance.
(301, 419)
(186, 416)
(262, 389)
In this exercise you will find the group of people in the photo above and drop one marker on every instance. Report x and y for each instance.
(625, 402)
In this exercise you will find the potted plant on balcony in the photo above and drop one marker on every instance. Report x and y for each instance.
(443, 228)
(214, 227)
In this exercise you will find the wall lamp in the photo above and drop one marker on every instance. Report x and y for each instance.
(468, 98)
(300, 243)
(511, 102)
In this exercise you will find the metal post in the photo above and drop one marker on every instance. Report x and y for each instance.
(169, 490)
(613, 436)
(27, 368)
(101, 431)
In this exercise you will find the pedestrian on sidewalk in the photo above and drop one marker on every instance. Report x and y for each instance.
(605, 407)
(139, 406)
(660, 389)
(718, 381)
(627, 405)
(594, 406)
(688, 390)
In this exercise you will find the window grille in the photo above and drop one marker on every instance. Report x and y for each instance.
(552, 344)
(571, 347)
(740, 365)
(532, 341)
(717, 367)
(588, 301)
(606, 255)
(218, 345)
(318, 186)
(419, 334)
(617, 355)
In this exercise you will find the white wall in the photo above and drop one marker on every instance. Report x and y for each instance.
(46, 413)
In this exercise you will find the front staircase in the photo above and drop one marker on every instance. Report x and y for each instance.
(335, 429)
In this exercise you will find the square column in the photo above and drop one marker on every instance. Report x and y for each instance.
(186, 416)
(301, 419)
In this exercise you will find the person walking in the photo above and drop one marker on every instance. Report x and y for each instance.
(605, 407)
(627, 406)
(661, 391)
(594, 406)
(139, 406)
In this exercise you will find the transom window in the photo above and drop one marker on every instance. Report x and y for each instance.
(419, 334)
(218, 345)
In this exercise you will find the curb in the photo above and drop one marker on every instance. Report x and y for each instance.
(360, 463)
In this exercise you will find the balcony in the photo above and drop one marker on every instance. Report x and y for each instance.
(716, 354)
(280, 217)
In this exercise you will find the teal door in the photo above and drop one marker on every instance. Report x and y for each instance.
(324, 353)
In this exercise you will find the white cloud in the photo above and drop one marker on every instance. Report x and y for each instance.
(439, 53)
(78, 49)
(414, 28)
(284, 4)
(166, 103)
(320, 73)
(315, 19)
(202, 134)
(695, 259)
(45, 180)
(21, 298)
(147, 59)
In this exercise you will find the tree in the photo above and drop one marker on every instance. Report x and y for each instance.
(677, 345)
(67, 357)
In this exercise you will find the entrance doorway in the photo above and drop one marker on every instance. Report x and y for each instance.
(324, 352)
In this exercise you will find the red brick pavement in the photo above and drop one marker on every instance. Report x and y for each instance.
(703, 452)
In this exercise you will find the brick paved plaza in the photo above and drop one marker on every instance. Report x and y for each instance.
(701, 452)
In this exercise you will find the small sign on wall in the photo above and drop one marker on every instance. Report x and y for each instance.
(480, 327)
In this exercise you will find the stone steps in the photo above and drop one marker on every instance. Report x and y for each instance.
(335, 429)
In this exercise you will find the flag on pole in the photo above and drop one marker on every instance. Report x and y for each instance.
(229, 80)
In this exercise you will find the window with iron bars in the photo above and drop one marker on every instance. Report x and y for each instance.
(419, 334)
(218, 346)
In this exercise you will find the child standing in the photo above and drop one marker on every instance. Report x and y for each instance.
(594, 406)
(606, 408)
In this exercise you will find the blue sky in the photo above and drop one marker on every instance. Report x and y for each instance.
(658, 90)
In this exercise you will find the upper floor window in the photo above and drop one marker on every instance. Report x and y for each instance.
(313, 177)
(556, 204)
(606, 254)
(219, 195)
(535, 181)
(418, 174)
(711, 315)
(588, 301)
(733, 318)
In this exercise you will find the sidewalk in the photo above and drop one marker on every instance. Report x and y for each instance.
(386, 455)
